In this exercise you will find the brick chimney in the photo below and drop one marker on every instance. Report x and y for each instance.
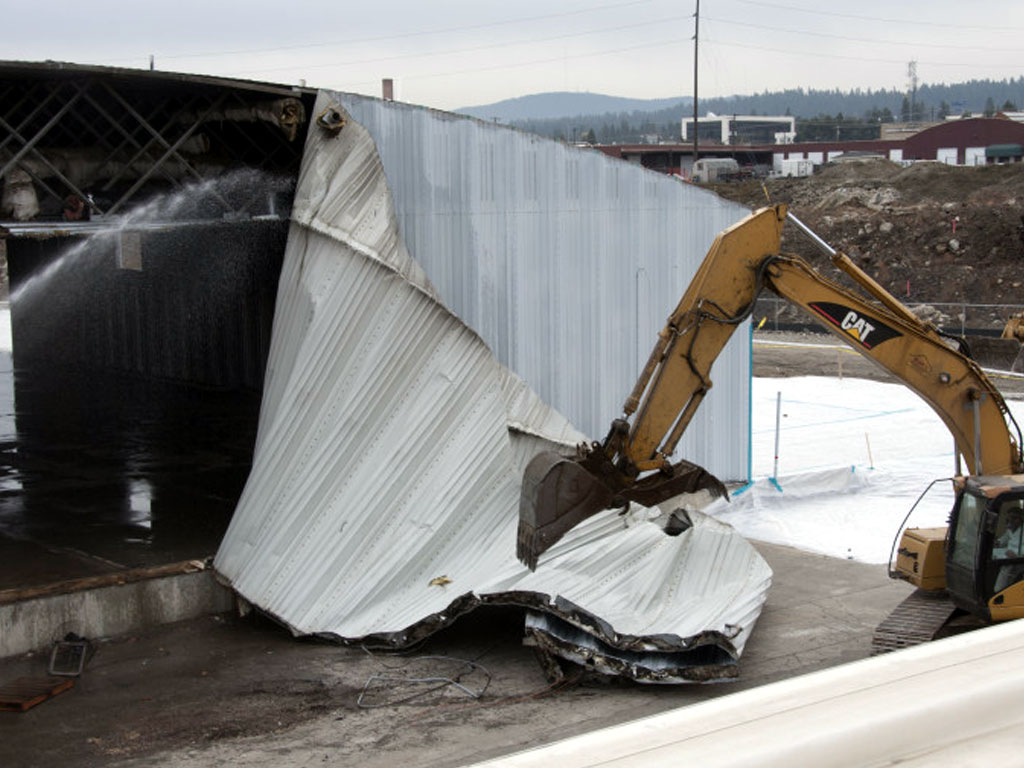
(388, 89)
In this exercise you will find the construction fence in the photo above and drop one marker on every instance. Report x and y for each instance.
(774, 314)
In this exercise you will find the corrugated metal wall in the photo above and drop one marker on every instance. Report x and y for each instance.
(565, 261)
(383, 499)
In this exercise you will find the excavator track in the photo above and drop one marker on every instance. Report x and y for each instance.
(918, 619)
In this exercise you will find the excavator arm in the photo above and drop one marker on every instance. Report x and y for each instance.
(915, 353)
(633, 464)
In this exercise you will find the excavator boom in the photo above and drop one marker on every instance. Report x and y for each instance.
(558, 493)
(633, 462)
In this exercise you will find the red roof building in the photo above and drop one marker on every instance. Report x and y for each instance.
(969, 141)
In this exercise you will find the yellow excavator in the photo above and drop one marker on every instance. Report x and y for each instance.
(1014, 328)
(971, 566)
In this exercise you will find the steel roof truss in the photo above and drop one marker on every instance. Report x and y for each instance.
(172, 150)
(126, 138)
(29, 148)
(144, 124)
(17, 106)
(30, 144)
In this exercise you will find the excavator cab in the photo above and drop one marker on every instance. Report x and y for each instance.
(985, 550)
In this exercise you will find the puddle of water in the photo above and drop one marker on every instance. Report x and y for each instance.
(136, 473)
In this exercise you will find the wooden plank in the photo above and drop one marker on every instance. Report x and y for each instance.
(26, 692)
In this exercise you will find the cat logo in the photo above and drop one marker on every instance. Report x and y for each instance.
(867, 331)
(857, 327)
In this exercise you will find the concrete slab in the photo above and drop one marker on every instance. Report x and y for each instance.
(225, 691)
(108, 605)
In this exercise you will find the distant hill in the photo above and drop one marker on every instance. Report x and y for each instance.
(567, 104)
(573, 116)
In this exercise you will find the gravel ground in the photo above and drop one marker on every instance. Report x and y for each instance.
(785, 353)
(223, 691)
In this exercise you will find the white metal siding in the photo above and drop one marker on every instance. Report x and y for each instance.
(383, 498)
(565, 261)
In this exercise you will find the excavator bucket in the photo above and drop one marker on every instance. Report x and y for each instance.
(559, 493)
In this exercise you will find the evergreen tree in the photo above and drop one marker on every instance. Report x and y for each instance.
(941, 100)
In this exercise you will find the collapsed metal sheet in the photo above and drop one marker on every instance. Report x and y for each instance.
(383, 499)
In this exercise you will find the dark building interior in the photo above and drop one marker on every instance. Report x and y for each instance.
(143, 219)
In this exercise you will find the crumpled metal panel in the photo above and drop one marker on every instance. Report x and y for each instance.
(565, 261)
(383, 499)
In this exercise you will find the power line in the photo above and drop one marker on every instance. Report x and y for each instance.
(606, 52)
(522, 64)
(819, 55)
(910, 22)
(647, 46)
(456, 51)
(404, 35)
(847, 38)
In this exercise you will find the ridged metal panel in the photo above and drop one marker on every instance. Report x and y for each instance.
(383, 499)
(565, 261)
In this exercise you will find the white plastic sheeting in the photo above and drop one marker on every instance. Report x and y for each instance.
(854, 456)
(383, 499)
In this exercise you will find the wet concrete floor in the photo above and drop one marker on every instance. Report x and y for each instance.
(223, 691)
(100, 473)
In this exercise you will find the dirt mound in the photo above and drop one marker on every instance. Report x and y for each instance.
(930, 233)
(859, 170)
(935, 181)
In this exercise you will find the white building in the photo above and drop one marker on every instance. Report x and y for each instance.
(746, 129)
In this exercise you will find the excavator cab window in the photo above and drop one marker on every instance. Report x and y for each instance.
(969, 519)
(1007, 563)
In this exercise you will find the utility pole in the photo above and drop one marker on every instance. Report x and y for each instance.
(696, 32)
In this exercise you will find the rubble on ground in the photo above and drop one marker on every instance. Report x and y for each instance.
(930, 233)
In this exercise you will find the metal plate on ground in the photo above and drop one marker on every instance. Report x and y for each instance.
(68, 658)
(914, 621)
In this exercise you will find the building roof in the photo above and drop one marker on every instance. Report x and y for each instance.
(967, 132)
(142, 77)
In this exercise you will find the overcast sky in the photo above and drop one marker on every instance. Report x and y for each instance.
(468, 52)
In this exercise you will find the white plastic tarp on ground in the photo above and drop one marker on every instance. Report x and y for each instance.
(854, 456)
(383, 498)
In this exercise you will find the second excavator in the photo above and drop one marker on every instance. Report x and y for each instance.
(970, 562)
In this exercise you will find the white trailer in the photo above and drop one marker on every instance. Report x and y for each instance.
(713, 168)
(794, 167)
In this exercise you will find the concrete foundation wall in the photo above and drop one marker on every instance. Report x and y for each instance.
(35, 624)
